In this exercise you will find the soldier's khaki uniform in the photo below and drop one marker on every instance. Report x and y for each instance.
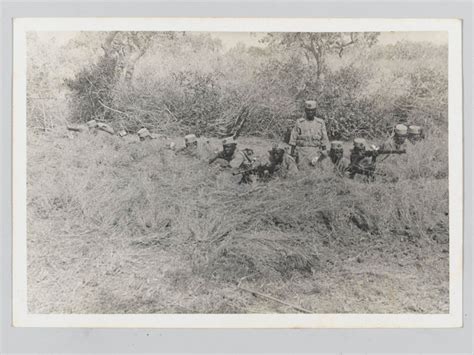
(309, 137)
(390, 144)
(190, 148)
(235, 161)
(189, 151)
(415, 134)
(287, 167)
(342, 166)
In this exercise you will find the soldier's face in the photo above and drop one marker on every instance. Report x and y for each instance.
(277, 156)
(400, 139)
(229, 149)
(359, 146)
(191, 144)
(414, 137)
(336, 153)
(310, 114)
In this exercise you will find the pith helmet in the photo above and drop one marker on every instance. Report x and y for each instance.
(229, 141)
(279, 146)
(415, 130)
(337, 145)
(91, 123)
(401, 130)
(310, 105)
(190, 138)
(360, 141)
(143, 132)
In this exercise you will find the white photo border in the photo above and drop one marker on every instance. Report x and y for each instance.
(21, 316)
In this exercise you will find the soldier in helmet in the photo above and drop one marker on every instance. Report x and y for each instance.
(308, 139)
(398, 140)
(229, 156)
(282, 164)
(336, 154)
(360, 162)
(96, 127)
(190, 146)
(415, 134)
(144, 134)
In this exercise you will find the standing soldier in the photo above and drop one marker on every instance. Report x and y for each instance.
(415, 134)
(336, 154)
(309, 139)
(398, 140)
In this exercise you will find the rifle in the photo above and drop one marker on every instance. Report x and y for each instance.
(376, 153)
(261, 170)
(369, 169)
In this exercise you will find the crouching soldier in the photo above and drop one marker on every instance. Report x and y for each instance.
(415, 134)
(336, 154)
(398, 140)
(229, 156)
(144, 134)
(308, 139)
(190, 146)
(361, 161)
(282, 164)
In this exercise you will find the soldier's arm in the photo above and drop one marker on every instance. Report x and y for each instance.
(237, 161)
(325, 139)
(292, 142)
(214, 158)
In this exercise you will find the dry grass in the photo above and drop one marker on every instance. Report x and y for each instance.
(119, 226)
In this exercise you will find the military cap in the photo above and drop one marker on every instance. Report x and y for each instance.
(92, 123)
(310, 104)
(360, 141)
(400, 129)
(144, 132)
(190, 138)
(279, 146)
(414, 130)
(105, 127)
(229, 141)
(336, 145)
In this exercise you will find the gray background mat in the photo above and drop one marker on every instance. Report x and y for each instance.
(40, 340)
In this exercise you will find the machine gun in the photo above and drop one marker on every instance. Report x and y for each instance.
(363, 162)
(375, 153)
(262, 171)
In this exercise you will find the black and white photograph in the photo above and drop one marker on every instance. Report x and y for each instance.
(238, 172)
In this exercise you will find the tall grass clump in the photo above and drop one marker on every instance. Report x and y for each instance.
(148, 196)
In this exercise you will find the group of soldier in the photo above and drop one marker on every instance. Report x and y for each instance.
(308, 147)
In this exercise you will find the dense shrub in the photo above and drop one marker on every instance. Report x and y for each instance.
(198, 87)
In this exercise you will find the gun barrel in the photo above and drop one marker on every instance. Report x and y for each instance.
(392, 151)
